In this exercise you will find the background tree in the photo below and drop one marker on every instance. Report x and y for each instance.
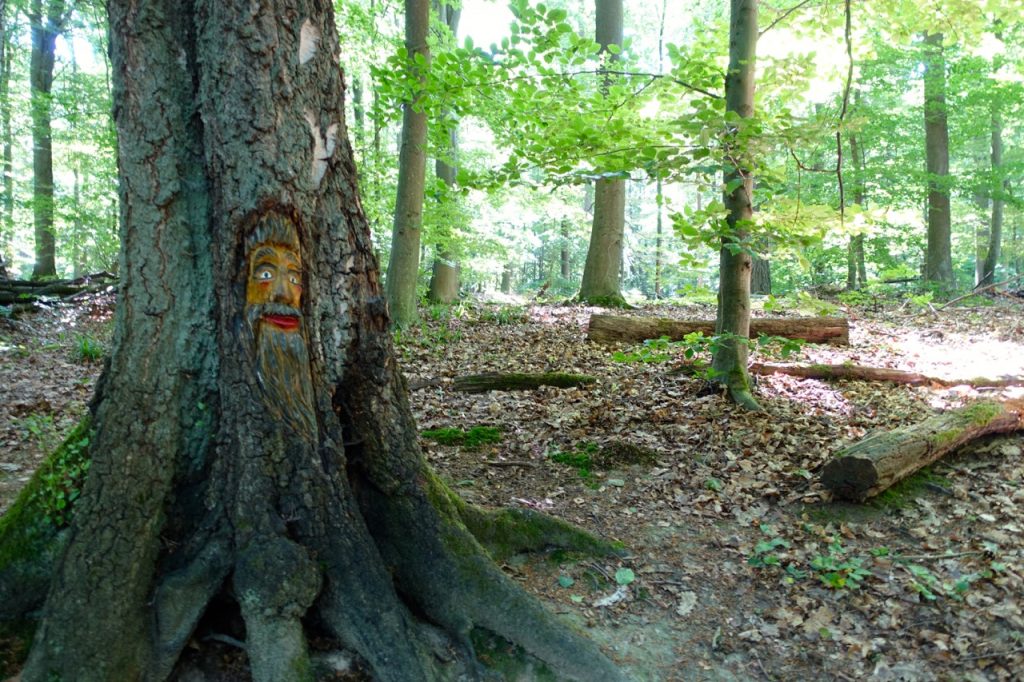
(404, 262)
(729, 362)
(938, 259)
(253, 441)
(444, 277)
(603, 268)
(47, 20)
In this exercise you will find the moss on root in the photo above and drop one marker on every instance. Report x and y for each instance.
(31, 539)
(506, 532)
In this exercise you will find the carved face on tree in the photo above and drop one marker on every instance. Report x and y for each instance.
(273, 300)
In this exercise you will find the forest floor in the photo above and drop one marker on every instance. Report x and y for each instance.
(740, 566)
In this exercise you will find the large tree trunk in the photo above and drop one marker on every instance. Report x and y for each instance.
(938, 259)
(253, 442)
(45, 28)
(1000, 186)
(729, 363)
(404, 262)
(602, 269)
(870, 466)
(620, 328)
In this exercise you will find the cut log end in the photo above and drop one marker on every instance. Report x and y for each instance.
(850, 478)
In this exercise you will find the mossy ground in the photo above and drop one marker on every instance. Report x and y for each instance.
(475, 437)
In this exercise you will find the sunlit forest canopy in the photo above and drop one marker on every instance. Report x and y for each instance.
(837, 146)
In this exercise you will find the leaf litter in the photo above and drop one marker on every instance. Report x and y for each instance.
(740, 565)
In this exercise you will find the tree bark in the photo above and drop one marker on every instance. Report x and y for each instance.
(404, 262)
(938, 259)
(1001, 186)
(729, 362)
(45, 29)
(602, 270)
(870, 466)
(761, 276)
(253, 440)
(619, 329)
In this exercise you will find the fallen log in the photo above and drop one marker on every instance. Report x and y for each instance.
(15, 291)
(869, 466)
(619, 328)
(862, 373)
(480, 383)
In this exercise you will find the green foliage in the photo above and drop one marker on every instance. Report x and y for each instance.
(838, 571)
(61, 478)
(87, 349)
(474, 438)
(504, 315)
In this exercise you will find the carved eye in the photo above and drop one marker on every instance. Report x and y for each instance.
(264, 274)
(294, 278)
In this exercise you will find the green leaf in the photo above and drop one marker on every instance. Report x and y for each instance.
(624, 576)
(566, 581)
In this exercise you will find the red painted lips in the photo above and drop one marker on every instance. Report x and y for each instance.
(285, 322)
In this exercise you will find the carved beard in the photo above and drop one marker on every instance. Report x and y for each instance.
(282, 367)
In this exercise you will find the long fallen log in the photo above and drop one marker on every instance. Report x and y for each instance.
(16, 291)
(620, 328)
(869, 466)
(480, 383)
(863, 373)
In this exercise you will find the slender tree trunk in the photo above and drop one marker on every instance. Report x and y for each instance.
(7, 140)
(444, 277)
(564, 253)
(45, 29)
(602, 270)
(254, 448)
(995, 233)
(729, 361)
(938, 260)
(404, 263)
(506, 279)
(856, 269)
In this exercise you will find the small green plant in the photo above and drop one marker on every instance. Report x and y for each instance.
(765, 552)
(41, 429)
(505, 315)
(87, 349)
(473, 438)
(62, 478)
(922, 301)
(814, 305)
(838, 571)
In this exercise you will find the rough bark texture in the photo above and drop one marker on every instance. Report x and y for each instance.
(46, 22)
(481, 383)
(200, 486)
(861, 373)
(938, 259)
(995, 233)
(761, 276)
(729, 363)
(602, 269)
(618, 328)
(867, 468)
(404, 262)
